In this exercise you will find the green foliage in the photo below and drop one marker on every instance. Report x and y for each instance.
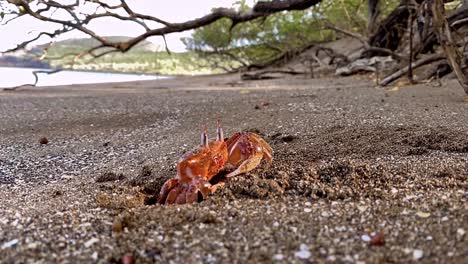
(258, 41)
(264, 39)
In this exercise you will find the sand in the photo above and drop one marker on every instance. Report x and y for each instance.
(360, 174)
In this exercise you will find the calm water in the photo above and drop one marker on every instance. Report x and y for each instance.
(10, 77)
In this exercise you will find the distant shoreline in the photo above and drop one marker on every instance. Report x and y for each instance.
(18, 76)
(87, 71)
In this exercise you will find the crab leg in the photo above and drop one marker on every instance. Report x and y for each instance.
(207, 188)
(192, 195)
(216, 186)
(181, 196)
(267, 155)
(172, 196)
(170, 184)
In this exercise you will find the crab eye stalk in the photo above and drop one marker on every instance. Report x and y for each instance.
(204, 137)
(219, 132)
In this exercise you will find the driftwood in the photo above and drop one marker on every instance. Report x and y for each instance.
(335, 57)
(436, 71)
(266, 75)
(424, 61)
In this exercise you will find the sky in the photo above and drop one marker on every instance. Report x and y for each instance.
(170, 10)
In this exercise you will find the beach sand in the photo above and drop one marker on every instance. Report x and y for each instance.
(360, 174)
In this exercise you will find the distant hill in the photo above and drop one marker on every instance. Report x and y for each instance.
(85, 43)
(13, 61)
(145, 57)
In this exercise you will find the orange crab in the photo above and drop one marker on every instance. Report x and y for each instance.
(239, 154)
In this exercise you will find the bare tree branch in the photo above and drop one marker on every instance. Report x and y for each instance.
(146, 17)
(23, 45)
(264, 75)
(261, 9)
(357, 36)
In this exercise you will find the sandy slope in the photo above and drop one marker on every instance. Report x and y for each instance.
(350, 161)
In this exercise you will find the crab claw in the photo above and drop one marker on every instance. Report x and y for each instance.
(176, 192)
(246, 151)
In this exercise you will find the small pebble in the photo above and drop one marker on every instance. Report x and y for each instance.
(417, 254)
(362, 208)
(33, 245)
(10, 243)
(365, 238)
(43, 141)
(303, 252)
(278, 257)
(91, 242)
(307, 210)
